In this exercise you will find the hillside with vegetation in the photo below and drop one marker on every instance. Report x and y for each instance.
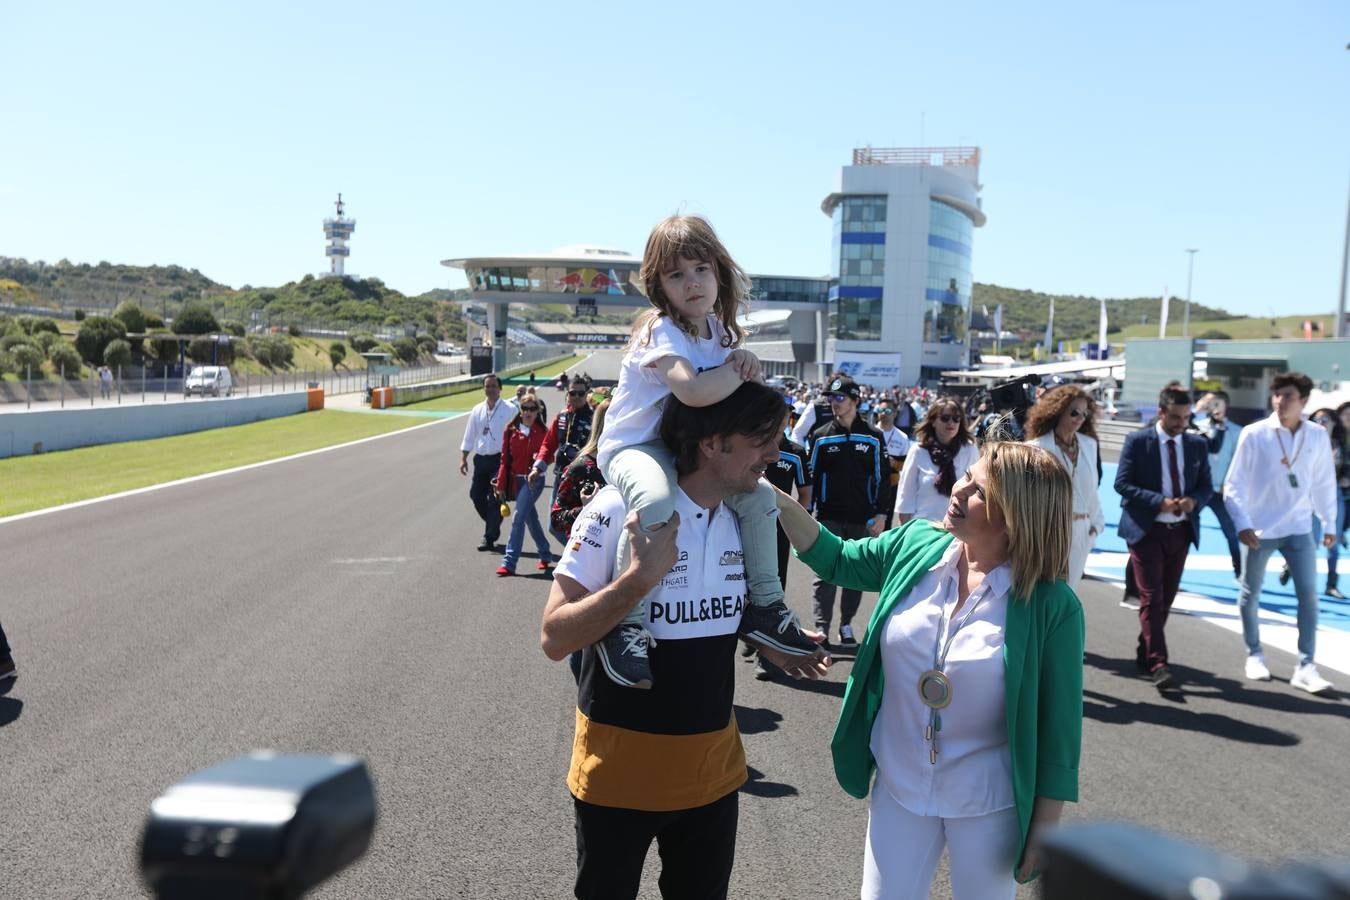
(1077, 317)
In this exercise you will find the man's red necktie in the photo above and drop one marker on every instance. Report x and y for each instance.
(1172, 464)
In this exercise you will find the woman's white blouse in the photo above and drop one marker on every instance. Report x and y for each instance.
(917, 495)
(1086, 502)
(973, 774)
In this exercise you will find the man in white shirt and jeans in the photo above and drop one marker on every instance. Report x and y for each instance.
(1282, 475)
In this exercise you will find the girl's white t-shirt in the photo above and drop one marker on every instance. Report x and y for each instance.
(634, 415)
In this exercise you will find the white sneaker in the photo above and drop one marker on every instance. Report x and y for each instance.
(1305, 678)
(1256, 668)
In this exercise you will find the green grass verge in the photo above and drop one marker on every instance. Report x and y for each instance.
(465, 401)
(36, 482)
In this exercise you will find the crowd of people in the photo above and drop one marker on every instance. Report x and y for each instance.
(676, 500)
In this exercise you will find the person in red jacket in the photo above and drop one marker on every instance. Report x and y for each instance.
(520, 445)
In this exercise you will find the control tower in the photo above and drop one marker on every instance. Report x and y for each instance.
(338, 230)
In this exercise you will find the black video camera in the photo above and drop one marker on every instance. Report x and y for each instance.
(265, 826)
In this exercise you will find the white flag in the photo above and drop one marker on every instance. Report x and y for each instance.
(998, 320)
(1162, 322)
(1101, 333)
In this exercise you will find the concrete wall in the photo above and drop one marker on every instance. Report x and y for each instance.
(43, 431)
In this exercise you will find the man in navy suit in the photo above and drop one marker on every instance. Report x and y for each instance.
(1163, 482)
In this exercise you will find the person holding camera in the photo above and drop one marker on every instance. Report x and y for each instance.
(570, 431)
(1223, 437)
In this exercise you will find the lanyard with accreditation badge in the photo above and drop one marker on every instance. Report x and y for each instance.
(1285, 459)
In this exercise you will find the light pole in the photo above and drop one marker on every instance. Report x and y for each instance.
(1339, 330)
(1186, 313)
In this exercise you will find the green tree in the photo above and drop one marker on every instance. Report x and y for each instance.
(405, 349)
(362, 341)
(34, 325)
(26, 356)
(130, 315)
(64, 355)
(117, 353)
(96, 333)
(195, 318)
(337, 352)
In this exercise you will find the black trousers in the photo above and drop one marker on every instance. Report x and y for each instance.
(823, 592)
(4, 644)
(697, 847)
(481, 493)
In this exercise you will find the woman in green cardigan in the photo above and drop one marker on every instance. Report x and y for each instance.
(966, 695)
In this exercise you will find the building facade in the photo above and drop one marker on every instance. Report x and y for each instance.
(904, 221)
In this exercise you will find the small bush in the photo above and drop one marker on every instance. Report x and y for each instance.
(130, 315)
(10, 341)
(37, 325)
(362, 341)
(164, 349)
(117, 353)
(337, 352)
(294, 330)
(79, 315)
(153, 320)
(24, 357)
(64, 355)
(405, 349)
(49, 341)
(427, 344)
(96, 333)
(1215, 334)
(272, 350)
(195, 318)
(232, 327)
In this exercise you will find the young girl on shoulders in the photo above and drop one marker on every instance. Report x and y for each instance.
(688, 345)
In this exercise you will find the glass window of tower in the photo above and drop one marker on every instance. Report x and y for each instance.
(948, 288)
(860, 265)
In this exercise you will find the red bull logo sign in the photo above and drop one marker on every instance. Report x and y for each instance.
(588, 281)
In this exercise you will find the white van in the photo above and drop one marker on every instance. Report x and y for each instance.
(213, 380)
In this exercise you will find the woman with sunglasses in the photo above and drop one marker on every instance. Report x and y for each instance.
(1062, 423)
(520, 445)
(943, 452)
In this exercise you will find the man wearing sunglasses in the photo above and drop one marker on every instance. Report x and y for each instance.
(846, 464)
(570, 431)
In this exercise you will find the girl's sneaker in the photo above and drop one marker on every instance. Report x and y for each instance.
(8, 669)
(623, 655)
(503, 570)
(775, 626)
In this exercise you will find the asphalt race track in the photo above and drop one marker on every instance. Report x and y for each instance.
(336, 603)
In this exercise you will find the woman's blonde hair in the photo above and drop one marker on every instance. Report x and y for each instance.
(690, 237)
(1035, 495)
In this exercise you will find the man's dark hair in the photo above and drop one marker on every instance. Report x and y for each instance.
(754, 410)
(494, 376)
(1302, 383)
(1222, 395)
(1173, 396)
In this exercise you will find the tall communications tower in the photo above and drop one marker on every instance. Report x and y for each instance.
(338, 230)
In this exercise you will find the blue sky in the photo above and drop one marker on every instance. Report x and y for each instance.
(216, 137)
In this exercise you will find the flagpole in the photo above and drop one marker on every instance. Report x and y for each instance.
(1186, 315)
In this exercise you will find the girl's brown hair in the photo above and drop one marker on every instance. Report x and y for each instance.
(1035, 495)
(1045, 414)
(926, 433)
(690, 237)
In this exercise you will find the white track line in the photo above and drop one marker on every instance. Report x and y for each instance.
(168, 484)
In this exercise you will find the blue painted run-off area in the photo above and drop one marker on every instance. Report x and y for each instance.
(1209, 571)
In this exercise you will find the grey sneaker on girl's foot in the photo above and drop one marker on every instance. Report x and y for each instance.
(623, 655)
(775, 626)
